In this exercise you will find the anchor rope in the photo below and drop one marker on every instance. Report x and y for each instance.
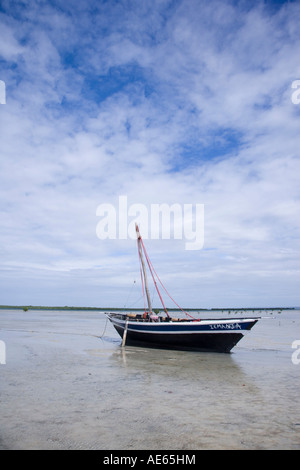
(101, 336)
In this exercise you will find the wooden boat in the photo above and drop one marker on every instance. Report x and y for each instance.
(163, 331)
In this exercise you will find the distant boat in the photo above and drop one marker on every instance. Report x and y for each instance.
(161, 331)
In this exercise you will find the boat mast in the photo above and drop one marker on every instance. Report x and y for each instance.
(144, 268)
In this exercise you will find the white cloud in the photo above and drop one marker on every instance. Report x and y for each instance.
(182, 103)
(9, 45)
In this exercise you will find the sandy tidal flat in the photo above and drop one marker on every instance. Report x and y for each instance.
(64, 387)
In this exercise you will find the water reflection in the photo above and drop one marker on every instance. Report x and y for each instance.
(181, 367)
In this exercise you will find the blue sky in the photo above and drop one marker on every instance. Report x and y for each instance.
(168, 101)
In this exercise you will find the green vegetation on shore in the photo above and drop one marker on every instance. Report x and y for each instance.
(101, 309)
(43, 307)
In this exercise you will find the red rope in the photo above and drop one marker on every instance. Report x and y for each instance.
(149, 263)
(142, 279)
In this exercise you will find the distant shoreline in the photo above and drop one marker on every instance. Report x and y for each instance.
(102, 309)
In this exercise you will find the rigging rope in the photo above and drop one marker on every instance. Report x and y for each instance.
(129, 294)
(151, 266)
(142, 279)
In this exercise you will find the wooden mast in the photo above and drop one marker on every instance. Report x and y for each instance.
(143, 267)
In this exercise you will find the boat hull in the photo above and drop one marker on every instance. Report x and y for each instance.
(205, 335)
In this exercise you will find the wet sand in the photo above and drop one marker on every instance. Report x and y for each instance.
(63, 387)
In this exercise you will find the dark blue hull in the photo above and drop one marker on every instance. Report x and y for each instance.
(207, 335)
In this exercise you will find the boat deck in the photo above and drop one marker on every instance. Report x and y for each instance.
(140, 318)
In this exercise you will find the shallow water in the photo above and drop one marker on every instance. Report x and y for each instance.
(64, 387)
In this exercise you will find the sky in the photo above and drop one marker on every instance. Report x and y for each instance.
(183, 102)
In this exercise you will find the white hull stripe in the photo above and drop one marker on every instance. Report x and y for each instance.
(178, 329)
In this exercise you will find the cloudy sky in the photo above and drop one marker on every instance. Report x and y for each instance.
(161, 102)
